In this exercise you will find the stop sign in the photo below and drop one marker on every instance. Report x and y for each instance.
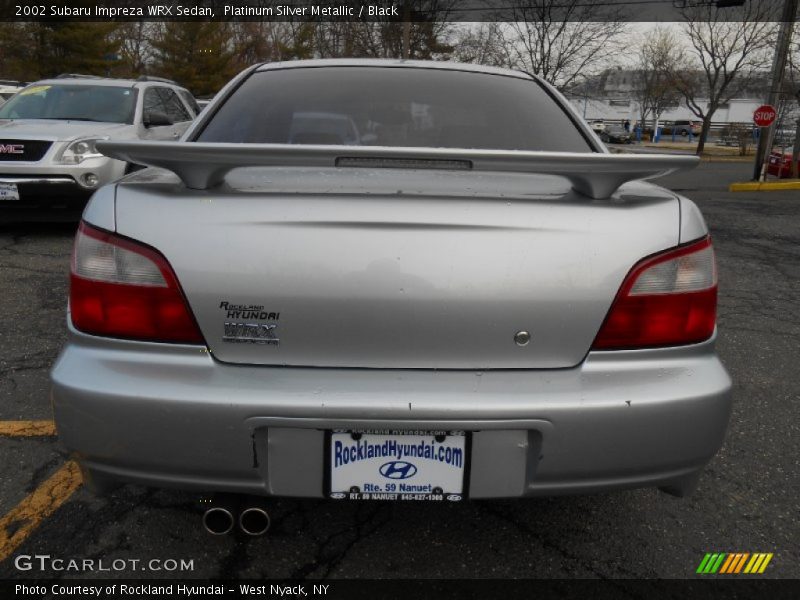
(764, 115)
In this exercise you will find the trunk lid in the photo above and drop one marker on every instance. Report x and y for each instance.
(392, 268)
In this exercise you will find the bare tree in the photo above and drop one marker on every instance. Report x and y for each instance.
(729, 47)
(334, 39)
(383, 37)
(267, 41)
(564, 41)
(8, 33)
(198, 54)
(485, 44)
(660, 56)
(136, 50)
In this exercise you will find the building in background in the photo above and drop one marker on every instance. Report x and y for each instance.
(611, 97)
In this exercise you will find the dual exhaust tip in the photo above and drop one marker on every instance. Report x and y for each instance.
(220, 520)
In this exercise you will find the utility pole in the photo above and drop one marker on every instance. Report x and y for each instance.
(775, 89)
(406, 29)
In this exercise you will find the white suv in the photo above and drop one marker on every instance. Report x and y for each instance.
(49, 166)
(8, 89)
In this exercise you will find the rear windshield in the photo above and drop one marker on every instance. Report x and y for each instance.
(401, 107)
(108, 104)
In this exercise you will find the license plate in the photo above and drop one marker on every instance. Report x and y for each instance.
(397, 465)
(9, 191)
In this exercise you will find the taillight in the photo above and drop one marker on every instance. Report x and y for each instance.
(666, 300)
(120, 288)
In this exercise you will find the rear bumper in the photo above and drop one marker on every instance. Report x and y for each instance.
(173, 416)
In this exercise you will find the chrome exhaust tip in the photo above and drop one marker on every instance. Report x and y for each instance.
(218, 520)
(254, 521)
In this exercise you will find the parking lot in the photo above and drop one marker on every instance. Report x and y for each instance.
(748, 500)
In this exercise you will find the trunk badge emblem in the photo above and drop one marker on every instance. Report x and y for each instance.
(253, 333)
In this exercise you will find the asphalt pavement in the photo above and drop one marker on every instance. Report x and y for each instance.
(748, 499)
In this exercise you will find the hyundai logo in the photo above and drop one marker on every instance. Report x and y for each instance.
(398, 469)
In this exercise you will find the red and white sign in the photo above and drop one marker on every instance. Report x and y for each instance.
(764, 115)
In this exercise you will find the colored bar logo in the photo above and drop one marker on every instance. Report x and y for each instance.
(733, 563)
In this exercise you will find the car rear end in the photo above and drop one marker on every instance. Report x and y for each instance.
(684, 128)
(392, 329)
(780, 163)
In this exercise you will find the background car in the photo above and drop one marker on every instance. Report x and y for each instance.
(8, 88)
(683, 128)
(597, 125)
(780, 163)
(202, 102)
(473, 307)
(615, 134)
(48, 133)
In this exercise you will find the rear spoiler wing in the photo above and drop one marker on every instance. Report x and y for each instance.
(204, 165)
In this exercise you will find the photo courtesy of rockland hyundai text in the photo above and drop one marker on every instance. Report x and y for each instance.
(413, 299)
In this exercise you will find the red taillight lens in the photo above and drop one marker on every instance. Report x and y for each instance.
(666, 300)
(119, 288)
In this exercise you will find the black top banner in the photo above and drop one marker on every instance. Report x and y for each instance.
(392, 10)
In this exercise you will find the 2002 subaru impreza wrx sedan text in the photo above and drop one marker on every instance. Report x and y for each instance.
(392, 280)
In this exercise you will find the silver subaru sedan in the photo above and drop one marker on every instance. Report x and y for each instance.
(391, 280)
